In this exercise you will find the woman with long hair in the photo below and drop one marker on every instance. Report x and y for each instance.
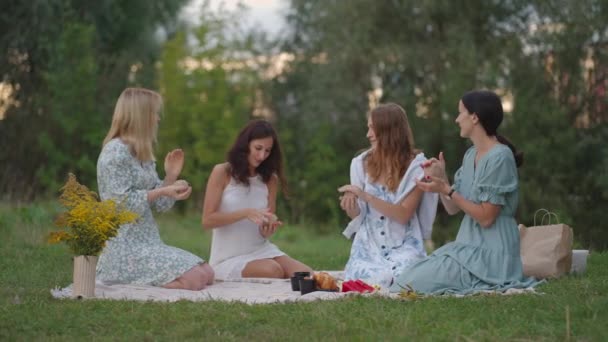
(126, 172)
(240, 202)
(390, 216)
(485, 255)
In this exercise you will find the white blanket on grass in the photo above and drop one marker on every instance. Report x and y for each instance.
(246, 290)
(249, 291)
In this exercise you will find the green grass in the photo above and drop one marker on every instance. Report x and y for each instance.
(29, 268)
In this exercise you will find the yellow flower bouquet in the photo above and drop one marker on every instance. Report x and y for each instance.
(88, 222)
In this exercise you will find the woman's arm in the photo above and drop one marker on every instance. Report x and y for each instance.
(348, 201)
(484, 213)
(272, 193)
(449, 205)
(162, 200)
(177, 191)
(401, 212)
(268, 228)
(174, 163)
(164, 195)
(212, 218)
(436, 167)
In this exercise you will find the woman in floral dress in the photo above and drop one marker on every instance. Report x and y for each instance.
(390, 216)
(126, 172)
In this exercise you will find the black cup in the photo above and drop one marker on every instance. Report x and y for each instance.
(295, 284)
(301, 274)
(295, 280)
(307, 285)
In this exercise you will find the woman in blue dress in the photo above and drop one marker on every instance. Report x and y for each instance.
(390, 216)
(485, 255)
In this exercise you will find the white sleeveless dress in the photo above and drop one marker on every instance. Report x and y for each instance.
(236, 244)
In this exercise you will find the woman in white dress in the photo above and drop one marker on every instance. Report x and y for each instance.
(240, 201)
(390, 216)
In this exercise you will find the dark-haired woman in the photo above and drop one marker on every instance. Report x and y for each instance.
(240, 201)
(485, 255)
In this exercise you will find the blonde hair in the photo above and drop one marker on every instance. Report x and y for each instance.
(135, 121)
(394, 145)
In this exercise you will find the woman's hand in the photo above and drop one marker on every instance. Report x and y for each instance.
(267, 229)
(355, 190)
(434, 184)
(180, 190)
(348, 203)
(260, 217)
(435, 167)
(174, 162)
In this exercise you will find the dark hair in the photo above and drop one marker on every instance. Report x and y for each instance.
(239, 152)
(488, 108)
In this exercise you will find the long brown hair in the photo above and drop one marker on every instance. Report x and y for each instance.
(238, 155)
(394, 145)
(134, 121)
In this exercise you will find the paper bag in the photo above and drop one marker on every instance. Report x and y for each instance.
(546, 250)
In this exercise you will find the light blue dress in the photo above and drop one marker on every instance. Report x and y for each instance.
(382, 247)
(480, 258)
(136, 255)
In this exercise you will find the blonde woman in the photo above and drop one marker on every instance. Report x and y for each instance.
(390, 216)
(126, 172)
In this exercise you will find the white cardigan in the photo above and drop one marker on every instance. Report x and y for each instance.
(425, 214)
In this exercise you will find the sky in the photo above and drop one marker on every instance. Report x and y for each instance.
(266, 14)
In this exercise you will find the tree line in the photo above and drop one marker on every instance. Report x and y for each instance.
(66, 66)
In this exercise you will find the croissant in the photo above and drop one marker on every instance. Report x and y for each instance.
(324, 281)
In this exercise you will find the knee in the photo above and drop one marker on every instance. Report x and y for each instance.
(265, 268)
(306, 269)
(299, 268)
(272, 269)
(276, 270)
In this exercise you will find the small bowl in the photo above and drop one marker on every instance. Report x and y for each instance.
(307, 285)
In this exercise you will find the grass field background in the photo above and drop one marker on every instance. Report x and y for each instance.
(571, 308)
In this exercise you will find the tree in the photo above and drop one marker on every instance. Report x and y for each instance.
(67, 62)
(547, 60)
(209, 78)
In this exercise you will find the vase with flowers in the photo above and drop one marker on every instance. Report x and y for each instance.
(85, 226)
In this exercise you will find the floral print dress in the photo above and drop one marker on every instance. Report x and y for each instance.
(382, 247)
(137, 255)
